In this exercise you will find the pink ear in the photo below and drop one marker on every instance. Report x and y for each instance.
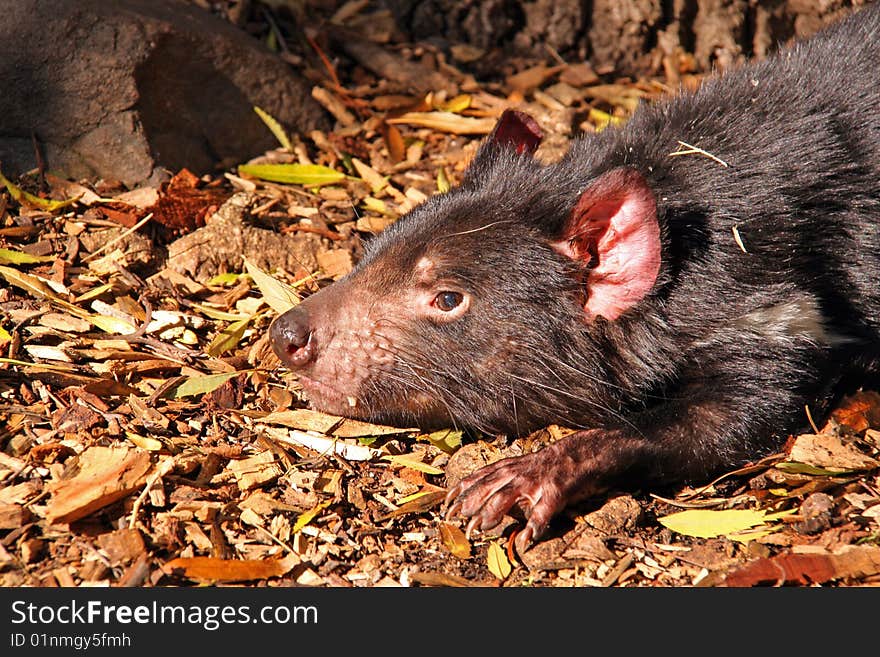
(519, 130)
(614, 228)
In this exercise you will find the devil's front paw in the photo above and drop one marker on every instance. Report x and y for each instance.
(523, 481)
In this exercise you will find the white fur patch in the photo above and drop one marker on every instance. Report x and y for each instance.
(794, 319)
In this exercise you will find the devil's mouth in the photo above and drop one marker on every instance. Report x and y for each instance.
(328, 399)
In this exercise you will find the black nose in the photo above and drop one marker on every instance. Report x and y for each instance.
(291, 337)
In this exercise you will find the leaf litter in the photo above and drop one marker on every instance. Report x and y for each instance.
(148, 436)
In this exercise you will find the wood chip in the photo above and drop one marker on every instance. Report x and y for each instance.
(105, 475)
(255, 471)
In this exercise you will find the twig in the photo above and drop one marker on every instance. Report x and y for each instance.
(118, 238)
(164, 468)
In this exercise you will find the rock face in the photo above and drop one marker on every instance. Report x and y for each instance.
(618, 35)
(132, 88)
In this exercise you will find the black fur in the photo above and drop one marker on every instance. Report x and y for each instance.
(716, 364)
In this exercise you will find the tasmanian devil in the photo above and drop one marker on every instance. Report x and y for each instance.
(677, 289)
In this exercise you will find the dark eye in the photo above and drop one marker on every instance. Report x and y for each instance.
(447, 301)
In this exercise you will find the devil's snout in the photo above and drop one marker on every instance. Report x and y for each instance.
(292, 337)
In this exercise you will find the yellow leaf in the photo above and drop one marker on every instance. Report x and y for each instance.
(294, 174)
(280, 296)
(446, 439)
(406, 499)
(378, 206)
(706, 523)
(37, 366)
(111, 324)
(455, 105)
(496, 560)
(228, 338)
(307, 516)
(25, 198)
(407, 461)
(149, 444)
(602, 119)
(94, 293)
(228, 278)
(275, 127)
(4, 336)
(447, 122)
(752, 534)
(28, 283)
(368, 174)
(10, 257)
(455, 541)
(199, 385)
(221, 315)
(442, 181)
(36, 287)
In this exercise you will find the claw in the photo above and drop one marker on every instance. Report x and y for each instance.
(524, 539)
(473, 524)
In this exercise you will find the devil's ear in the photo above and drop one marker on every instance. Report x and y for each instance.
(613, 231)
(516, 131)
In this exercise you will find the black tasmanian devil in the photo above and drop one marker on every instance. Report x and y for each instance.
(678, 309)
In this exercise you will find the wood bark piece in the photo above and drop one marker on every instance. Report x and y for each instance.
(123, 545)
(105, 475)
(218, 247)
(127, 89)
(13, 516)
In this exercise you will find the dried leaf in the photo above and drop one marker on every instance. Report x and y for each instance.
(199, 385)
(827, 451)
(324, 445)
(533, 77)
(28, 283)
(10, 257)
(212, 569)
(455, 541)
(293, 173)
(706, 523)
(303, 418)
(806, 469)
(417, 503)
(497, 562)
(407, 461)
(113, 325)
(859, 411)
(447, 122)
(279, 296)
(394, 142)
(275, 127)
(47, 352)
(850, 562)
